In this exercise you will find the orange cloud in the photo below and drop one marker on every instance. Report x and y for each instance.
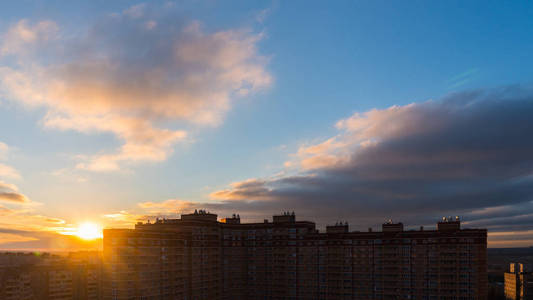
(367, 129)
(123, 219)
(8, 171)
(167, 206)
(253, 188)
(13, 238)
(9, 193)
(23, 228)
(140, 89)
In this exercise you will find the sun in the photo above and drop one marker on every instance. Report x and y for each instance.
(88, 231)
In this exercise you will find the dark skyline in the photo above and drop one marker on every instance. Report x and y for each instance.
(117, 112)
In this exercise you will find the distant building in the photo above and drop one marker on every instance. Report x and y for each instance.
(518, 282)
(16, 284)
(50, 277)
(198, 257)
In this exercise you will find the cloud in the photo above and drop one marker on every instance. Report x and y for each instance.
(20, 217)
(144, 75)
(45, 240)
(468, 154)
(170, 208)
(8, 171)
(123, 219)
(14, 238)
(12, 197)
(4, 149)
(23, 36)
(22, 228)
(135, 11)
(250, 188)
(69, 175)
(5, 211)
(5, 170)
(149, 210)
(463, 78)
(10, 193)
(263, 14)
(167, 206)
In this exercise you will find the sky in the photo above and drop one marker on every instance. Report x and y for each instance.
(113, 112)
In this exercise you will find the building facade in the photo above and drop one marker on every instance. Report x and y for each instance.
(25, 276)
(199, 257)
(518, 283)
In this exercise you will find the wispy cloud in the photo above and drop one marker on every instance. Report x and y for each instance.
(262, 15)
(124, 219)
(6, 171)
(462, 79)
(22, 228)
(139, 74)
(149, 210)
(68, 174)
(4, 149)
(9, 172)
(175, 206)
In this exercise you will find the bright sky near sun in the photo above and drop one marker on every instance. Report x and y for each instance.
(120, 111)
(89, 231)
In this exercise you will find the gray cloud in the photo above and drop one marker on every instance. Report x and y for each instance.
(468, 154)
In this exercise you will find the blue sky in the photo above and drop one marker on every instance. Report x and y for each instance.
(325, 61)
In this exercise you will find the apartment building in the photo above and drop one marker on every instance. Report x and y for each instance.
(200, 257)
(28, 276)
(16, 284)
(518, 282)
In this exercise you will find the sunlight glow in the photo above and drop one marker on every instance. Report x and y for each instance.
(88, 231)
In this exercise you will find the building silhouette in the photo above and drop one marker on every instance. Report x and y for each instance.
(199, 257)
